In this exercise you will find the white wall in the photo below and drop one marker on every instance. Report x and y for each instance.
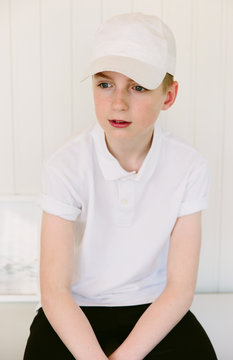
(44, 49)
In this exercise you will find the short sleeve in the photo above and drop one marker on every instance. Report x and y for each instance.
(196, 194)
(57, 196)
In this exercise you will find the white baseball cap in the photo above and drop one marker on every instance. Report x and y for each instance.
(140, 46)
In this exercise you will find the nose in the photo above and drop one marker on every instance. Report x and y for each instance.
(120, 100)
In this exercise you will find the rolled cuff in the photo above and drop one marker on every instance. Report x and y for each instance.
(190, 207)
(54, 207)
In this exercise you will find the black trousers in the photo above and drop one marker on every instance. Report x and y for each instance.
(186, 341)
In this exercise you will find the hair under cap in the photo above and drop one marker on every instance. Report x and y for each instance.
(140, 46)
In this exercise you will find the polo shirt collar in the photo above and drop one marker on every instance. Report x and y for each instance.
(111, 168)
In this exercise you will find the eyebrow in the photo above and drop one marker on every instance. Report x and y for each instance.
(100, 74)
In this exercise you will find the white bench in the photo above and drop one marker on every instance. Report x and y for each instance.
(214, 311)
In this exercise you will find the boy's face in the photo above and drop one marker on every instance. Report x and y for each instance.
(118, 97)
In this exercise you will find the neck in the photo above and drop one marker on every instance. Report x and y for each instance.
(130, 154)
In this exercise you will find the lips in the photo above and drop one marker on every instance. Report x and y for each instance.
(119, 123)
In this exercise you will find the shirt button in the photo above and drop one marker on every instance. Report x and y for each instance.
(124, 202)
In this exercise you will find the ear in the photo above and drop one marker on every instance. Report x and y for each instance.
(171, 96)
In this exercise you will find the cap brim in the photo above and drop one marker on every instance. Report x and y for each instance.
(146, 75)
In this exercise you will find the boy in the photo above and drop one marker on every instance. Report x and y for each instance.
(121, 226)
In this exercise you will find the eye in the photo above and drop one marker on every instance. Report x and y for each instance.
(139, 88)
(103, 85)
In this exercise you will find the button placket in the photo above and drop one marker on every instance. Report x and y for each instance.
(126, 201)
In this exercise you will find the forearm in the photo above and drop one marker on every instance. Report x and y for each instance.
(72, 326)
(154, 324)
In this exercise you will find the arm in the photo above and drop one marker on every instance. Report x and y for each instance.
(56, 268)
(169, 308)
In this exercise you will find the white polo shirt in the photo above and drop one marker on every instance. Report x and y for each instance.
(123, 219)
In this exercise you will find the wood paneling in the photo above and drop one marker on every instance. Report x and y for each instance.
(7, 160)
(112, 7)
(209, 127)
(26, 104)
(153, 7)
(226, 192)
(56, 73)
